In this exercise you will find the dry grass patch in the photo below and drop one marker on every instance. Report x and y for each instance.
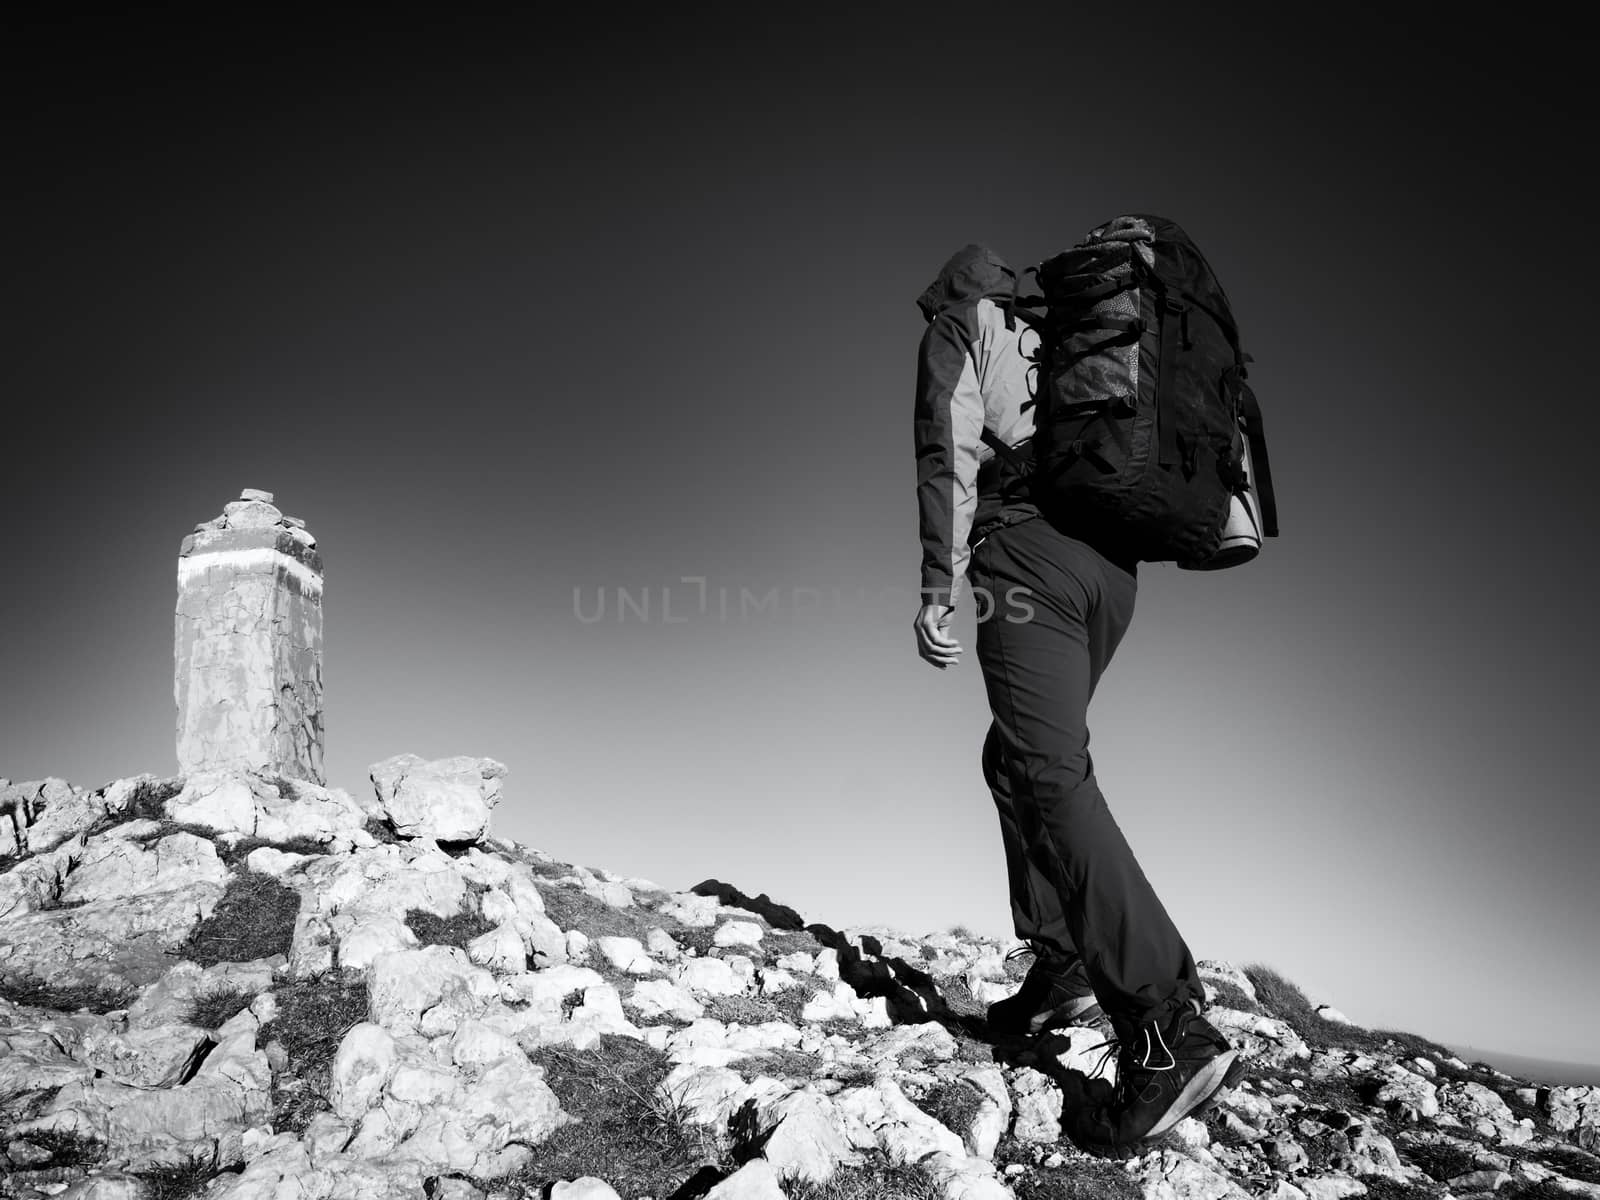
(958, 996)
(954, 1104)
(147, 803)
(778, 942)
(1085, 1178)
(1441, 1160)
(218, 1005)
(1228, 995)
(455, 930)
(1380, 1187)
(1570, 1161)
(629, 1133)
(572, 908)
(254, 919)
(783, 1006)
(876, 1180)
(313, 1015)
(780, 1064)
(66, 1148)
(1282, 999)
(70, 997)
(383, 832)
(181, 1182)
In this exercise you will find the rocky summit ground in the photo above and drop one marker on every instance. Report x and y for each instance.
(244, 986)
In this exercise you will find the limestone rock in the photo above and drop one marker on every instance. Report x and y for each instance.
(657, 998)
(1214, 972)
(1575, 1111)
(403, 984)
(147, 1058)
(117, 870)
(993, 1118)
(1167, 1175)
(501, 949)
(808, 1141)
(1332, 1187)
(626, 954)
(587, 1188)
(1038, 1104)
(756, 1180)
(364, 1064)
(42, 813)
(447, 799)
(1408, 1094)
(223, 802)
(737, 933)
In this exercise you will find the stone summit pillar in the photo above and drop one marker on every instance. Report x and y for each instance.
(248, 637)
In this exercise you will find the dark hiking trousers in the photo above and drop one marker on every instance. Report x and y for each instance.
(1076, 887)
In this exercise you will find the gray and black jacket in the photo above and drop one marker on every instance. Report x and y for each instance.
(973, 369)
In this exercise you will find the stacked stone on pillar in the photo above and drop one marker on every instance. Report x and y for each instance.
(248, 672)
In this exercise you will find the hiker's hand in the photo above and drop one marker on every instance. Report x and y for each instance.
(934, 642)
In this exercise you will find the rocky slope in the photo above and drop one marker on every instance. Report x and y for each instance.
(242, 986)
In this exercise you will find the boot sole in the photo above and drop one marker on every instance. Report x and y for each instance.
(1206, 1083)
(1078, 1013)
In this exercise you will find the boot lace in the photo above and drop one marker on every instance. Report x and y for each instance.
(1148, 1053)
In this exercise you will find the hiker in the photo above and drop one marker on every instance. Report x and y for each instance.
(1099, 933)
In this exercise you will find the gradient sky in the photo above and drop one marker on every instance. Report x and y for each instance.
(512, 315)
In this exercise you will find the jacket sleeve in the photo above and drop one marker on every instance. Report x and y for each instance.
(949, 428)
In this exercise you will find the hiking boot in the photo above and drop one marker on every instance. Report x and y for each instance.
(1170, 1072)
(1055, 992)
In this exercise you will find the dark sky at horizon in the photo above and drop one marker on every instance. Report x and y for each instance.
(505, 314)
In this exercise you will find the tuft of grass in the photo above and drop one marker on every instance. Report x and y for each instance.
(1084, 1178)
(70, 997)
(181, 1182)
(234, 852)
(629, 1133)
(754, 1010)
(697, 939)
(382, 831)
(1282, 999)
(147, 803)
(254, 919)
(572, 908)
(1570, 1161)
(455, 930)
(313, 1015)
(240, 850)
(1229, 995)
(546, 869)
(67, 1149)
(1548, 1190)
(1442, 1161)
(781, 1064)
(1381, 1187)
(778, 942)
(954, 1104)
(218, 1005)
(958, 996)
(877, 1179)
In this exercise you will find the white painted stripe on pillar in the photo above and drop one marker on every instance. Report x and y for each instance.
(261, 558)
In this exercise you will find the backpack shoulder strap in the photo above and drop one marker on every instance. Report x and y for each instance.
(994, 441)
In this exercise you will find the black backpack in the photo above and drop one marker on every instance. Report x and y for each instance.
(1142, 411)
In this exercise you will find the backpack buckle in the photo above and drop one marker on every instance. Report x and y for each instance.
(1173, 306)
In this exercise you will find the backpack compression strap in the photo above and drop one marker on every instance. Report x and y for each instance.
(1251, 411)
(994, 441)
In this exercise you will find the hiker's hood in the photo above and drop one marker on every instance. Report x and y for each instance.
(973, 272)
